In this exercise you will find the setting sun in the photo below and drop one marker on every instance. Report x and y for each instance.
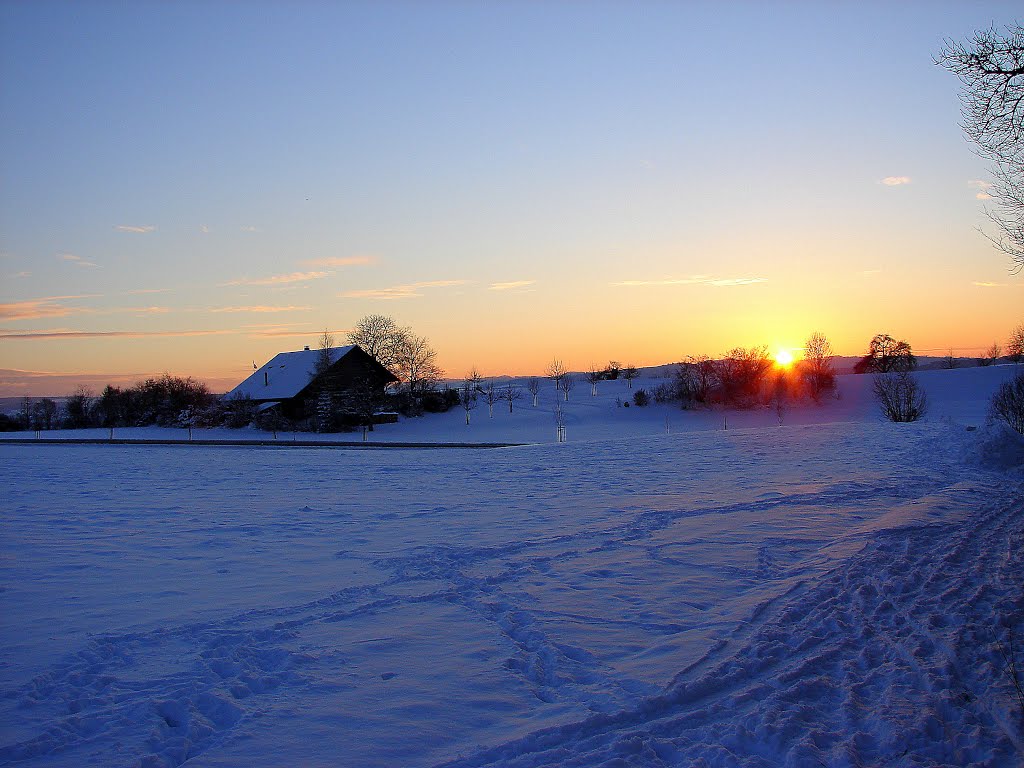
(783, 358)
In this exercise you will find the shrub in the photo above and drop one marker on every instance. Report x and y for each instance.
(741, 375)
(1007, 404)
(440, 401)
(641, 398)
(900, 396)
(238, 411)
(665, 393)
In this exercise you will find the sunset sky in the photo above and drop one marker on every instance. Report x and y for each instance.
(192, 187)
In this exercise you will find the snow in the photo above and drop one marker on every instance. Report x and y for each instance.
(285, 375)
(832, 591)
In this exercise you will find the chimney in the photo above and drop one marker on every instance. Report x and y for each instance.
(306, 348)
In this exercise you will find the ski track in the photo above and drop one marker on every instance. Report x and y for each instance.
(875, 661)
(880, 663)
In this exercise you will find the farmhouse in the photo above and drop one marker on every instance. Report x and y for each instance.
(348, 392)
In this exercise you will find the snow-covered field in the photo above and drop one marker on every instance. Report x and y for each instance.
(832, 591)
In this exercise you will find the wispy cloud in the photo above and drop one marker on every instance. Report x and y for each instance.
(511, 285)
(729, 281)
(138, 291)
(896, 181)
(720, 282)
(982, 188)
(68, 334)
(78, 261)
(294, 277)
(134, 311)
(137, 229)
(35, 309)
(408, 291)
(250, 229)
(984, 284)
(23, 273)
(261, 308)
(869, 272)
(285, 332)
(204, 229)
(341, 261)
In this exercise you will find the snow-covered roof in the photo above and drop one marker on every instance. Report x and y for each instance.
(287, 374)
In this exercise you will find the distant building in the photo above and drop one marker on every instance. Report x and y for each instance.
(348, 392)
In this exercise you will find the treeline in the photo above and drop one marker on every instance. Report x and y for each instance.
(167, 401)
(745, 378)
(175, 401)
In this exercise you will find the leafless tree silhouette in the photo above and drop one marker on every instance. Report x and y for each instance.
(990, 66)
(900, 396)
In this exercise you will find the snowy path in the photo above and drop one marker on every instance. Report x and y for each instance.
(803, 595)
(896, 657)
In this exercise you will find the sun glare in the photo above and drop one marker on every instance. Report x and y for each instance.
(783, 358)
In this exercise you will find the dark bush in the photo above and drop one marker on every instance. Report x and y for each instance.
(900, 397)
(1007, 404)
(641, 398)
(666, 393)
(79, 410)
(238, 412)
(439, 400)
(741, 376)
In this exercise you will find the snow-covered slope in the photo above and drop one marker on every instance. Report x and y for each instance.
(810, 594)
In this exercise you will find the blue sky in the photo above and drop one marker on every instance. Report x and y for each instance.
(215, 182)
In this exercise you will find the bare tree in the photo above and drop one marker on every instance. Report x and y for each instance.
(510, 394)
(703, 371)
(556, 372)
(990, 66)
(780, 395)
(1015, 345)
(45, 412)
(491, 396)
(629, 373)
(568, 382)
(741, 374)
(900, 396)
(24, 415)
(416, 365)
(324, 353)
(533, 387)
(380, 337)
(886, 355)
(78, 409)
(467, 397)
(949, 361)
(817, 368)
(990, 355)
(476, 379)
(594, 376)
(1008, 403)
(559, 421)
